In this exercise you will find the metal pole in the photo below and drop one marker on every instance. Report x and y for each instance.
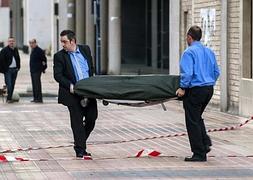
(114, 41)
(98, 37)
(224, 58)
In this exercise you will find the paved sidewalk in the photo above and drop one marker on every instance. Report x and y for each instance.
(25, 124)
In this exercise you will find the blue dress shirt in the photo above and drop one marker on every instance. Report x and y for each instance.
(79, 62)
(198, 66)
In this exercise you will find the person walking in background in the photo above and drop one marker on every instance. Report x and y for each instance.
(198, 74)
(10, 65)
(38, 64)
(71, 64)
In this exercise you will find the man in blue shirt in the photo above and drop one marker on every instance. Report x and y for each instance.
(198, 73)
(71, 64)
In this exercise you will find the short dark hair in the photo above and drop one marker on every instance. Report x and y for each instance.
(195, 32)
(70, 34)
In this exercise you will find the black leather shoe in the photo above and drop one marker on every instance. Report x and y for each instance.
(81, 154)
(195, 158)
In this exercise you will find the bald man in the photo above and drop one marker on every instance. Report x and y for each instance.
(38, 64)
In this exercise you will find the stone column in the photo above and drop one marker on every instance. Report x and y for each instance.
(224, 103)
(114, 41)
(174, 37)
(104, 35)
(71, 14)
(154, 32)
(80, 21)
(17, 22)
(89, 27)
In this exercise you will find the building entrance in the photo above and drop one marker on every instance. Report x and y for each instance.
(145, 36)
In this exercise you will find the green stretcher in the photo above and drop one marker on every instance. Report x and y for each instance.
(133, 90)
(139, 87)
(129, 90)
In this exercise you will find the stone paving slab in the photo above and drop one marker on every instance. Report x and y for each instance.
(25, 124)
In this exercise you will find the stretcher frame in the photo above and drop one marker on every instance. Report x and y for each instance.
(134, 103)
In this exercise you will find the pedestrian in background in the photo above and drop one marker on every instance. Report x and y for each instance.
(38, 64)
(198, 74)
(71, 64)
(10, 65)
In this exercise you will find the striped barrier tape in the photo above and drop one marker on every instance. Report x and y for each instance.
(132, 140)
(154, 154)
(142, 153)
(182, 134)
(147, 153)
(4, 158)
(34, 148)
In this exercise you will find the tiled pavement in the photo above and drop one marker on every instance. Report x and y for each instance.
(25, 125)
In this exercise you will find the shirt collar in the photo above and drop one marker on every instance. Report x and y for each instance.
(77, 51)
(195, 43)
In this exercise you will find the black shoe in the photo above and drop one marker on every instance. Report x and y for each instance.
(81, 154)
(36, 101)
(195, 158)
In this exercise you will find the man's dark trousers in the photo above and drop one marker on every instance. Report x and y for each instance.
(10, 78)
(82, 123)
(36, 85)
(195, 102)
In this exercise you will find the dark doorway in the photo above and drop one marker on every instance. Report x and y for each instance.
(145, 36)
(133, 32)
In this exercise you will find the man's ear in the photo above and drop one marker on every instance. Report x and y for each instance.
(189, 38)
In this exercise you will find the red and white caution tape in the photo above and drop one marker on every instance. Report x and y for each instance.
(231, 127)
(34, 148)
(147, 153)
(4, 158)
(140, 154)
(132, 140)
(181, 134)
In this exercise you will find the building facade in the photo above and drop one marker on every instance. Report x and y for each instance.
(148, 36)
(4, 21)
(38, 22)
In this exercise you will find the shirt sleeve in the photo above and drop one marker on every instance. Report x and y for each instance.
(216, 69)
(186, 69)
